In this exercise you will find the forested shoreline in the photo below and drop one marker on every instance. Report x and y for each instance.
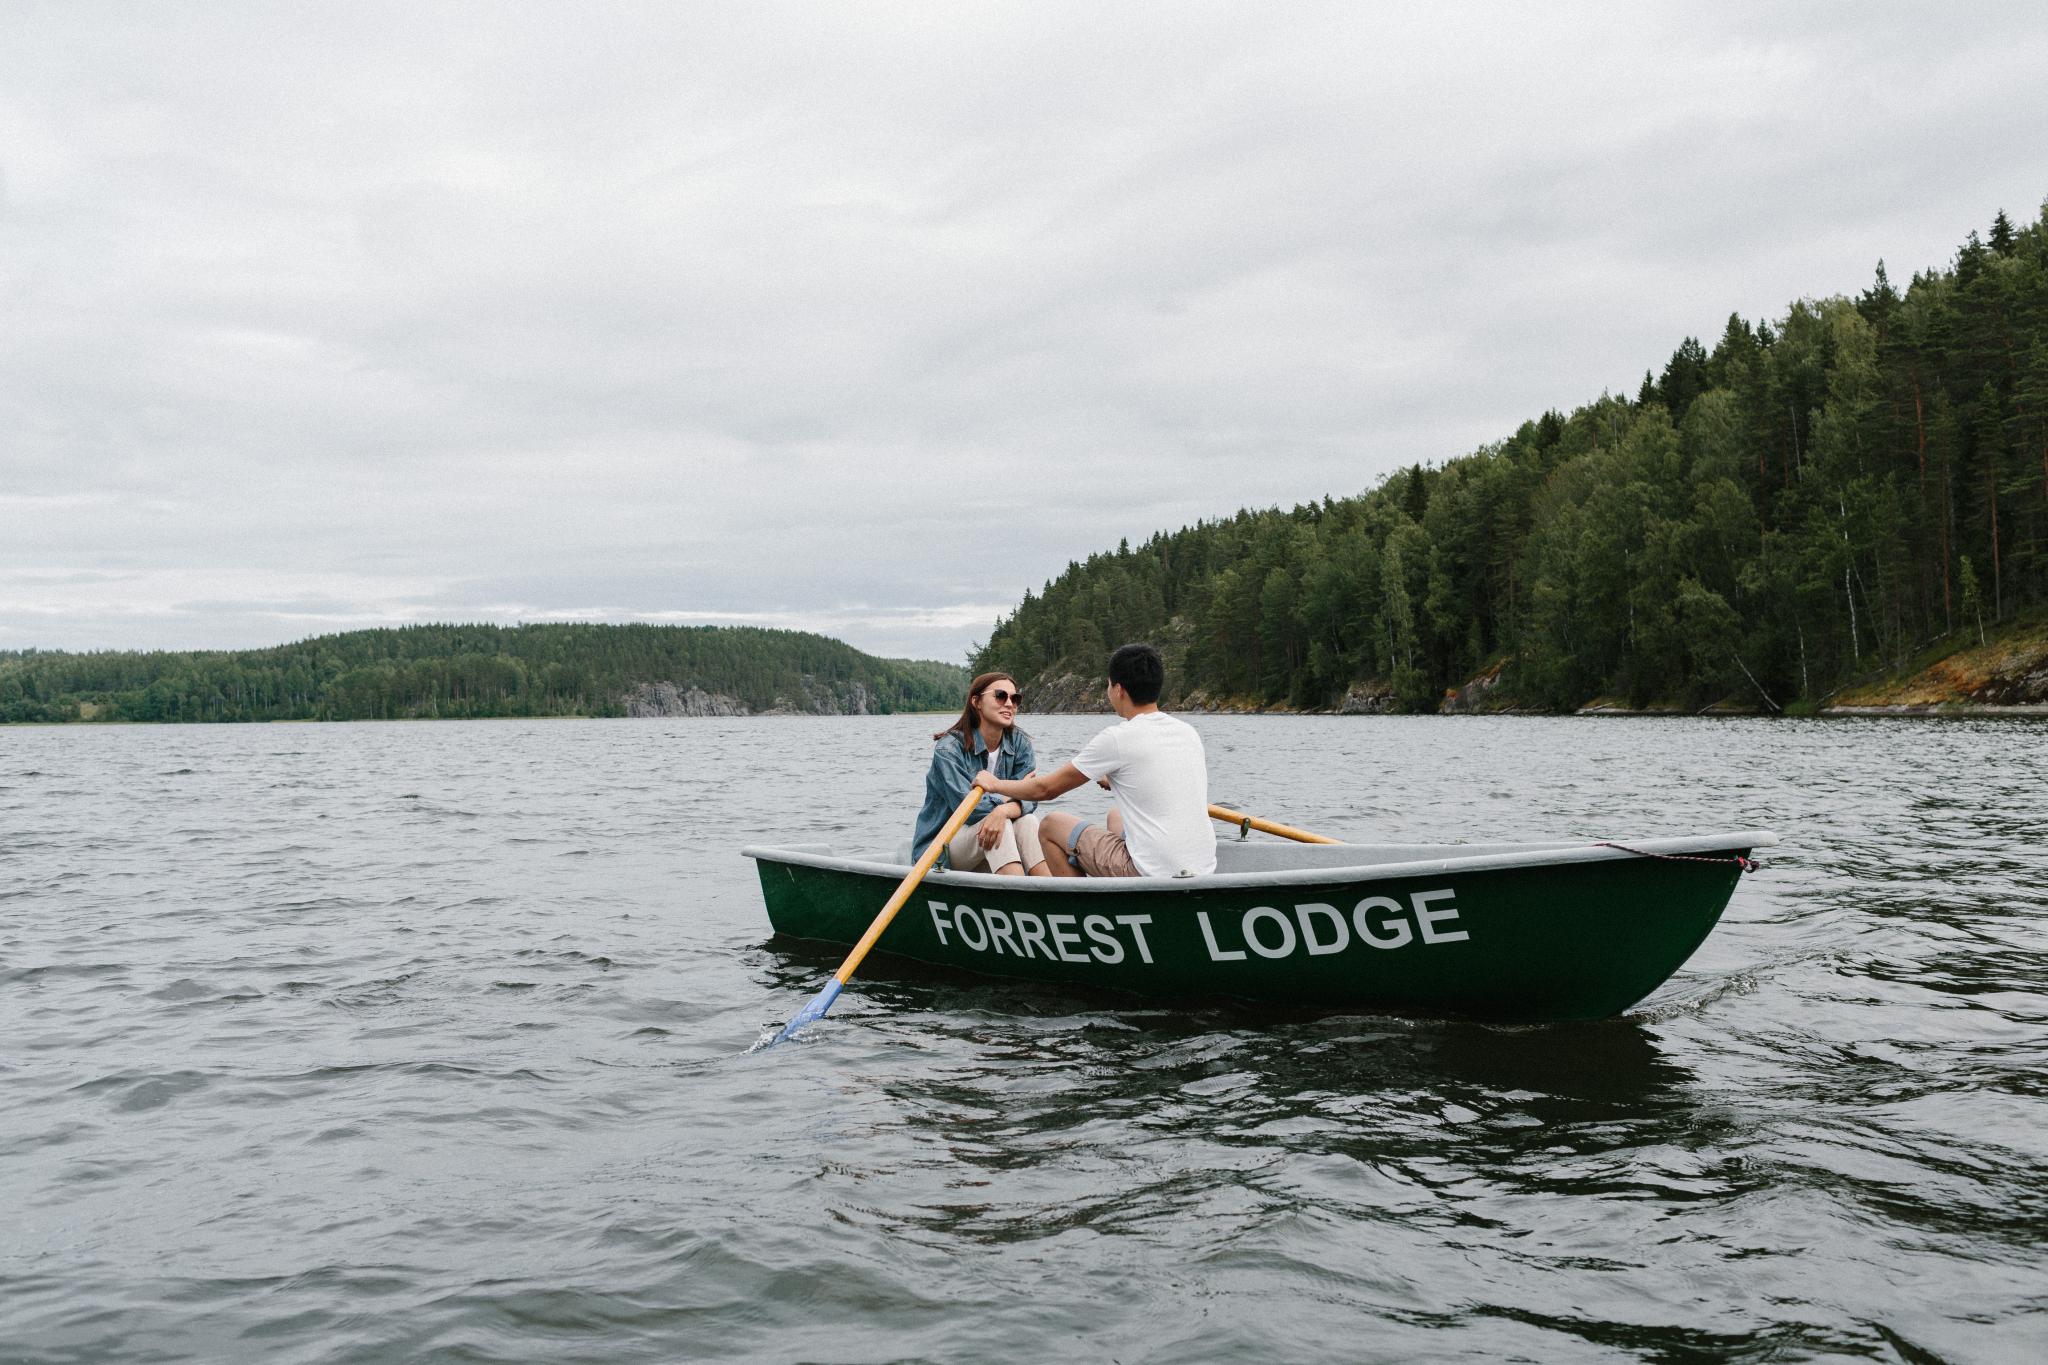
(1802, 505)
(450, 671)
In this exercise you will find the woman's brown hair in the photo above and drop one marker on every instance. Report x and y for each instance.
(970, 720)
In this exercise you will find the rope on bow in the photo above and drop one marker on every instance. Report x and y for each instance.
(1746, 864)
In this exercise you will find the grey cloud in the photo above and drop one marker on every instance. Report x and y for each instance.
(874, 315)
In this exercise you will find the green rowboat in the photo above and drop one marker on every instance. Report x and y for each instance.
(1529, 932)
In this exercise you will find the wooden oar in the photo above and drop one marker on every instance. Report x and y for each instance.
(1243, 821)
(822, 1001)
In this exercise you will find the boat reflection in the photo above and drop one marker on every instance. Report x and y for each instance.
(1022, 1064)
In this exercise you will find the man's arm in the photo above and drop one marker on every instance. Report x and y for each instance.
(1037, 787)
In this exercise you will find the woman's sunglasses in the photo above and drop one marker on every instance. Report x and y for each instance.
(1003, 697)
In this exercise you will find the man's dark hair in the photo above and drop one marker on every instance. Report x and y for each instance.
(1138, 670)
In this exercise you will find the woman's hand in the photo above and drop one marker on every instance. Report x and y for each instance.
(990, 831)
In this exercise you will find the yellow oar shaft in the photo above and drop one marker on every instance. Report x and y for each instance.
(1240, 819)
(909, 884)
(822, 1001)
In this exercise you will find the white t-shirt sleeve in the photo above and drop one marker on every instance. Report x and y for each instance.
(1101, 756)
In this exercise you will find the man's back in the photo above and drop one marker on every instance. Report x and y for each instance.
(1160, 776)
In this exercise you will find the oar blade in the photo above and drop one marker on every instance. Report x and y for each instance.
(810, 1013)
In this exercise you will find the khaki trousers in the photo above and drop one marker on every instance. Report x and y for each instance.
(1019, 844)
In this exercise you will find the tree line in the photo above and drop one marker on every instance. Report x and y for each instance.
(1800, 504)
(467, 671)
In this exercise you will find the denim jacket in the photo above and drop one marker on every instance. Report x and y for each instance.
(953, 771)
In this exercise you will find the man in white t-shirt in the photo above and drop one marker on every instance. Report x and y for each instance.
(1154, 765)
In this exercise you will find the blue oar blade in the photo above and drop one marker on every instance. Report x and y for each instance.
(820, 1002)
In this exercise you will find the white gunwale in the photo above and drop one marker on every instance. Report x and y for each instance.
(1376, 862)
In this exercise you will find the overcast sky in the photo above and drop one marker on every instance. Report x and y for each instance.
(866, 318)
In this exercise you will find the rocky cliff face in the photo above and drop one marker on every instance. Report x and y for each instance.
(1067, 694)
(1478, 694)
(825, 699)
(663, 699)
(659, 700)
(1373, 698)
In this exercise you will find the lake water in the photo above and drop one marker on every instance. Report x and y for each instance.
(430, 1041)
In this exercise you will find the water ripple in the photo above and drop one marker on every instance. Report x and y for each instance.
(427, 1041)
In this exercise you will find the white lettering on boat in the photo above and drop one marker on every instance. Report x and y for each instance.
(1106, 948)
(1370, 933)
(1307, 915)
(999, 931)
(1266, 914)
(1380, 922)
(1428, 918)
(1216, 954)
(1031, 929)
(1136, 924)
(1065, 939)
(1020, 933)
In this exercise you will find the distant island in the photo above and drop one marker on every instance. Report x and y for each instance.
(1794, 517)
(451, 671)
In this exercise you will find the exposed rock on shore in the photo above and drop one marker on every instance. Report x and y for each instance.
(1373, 698)
(2008, 676)
(1479, 694)
(1612, 706)
(1203, 703)
(825, 699)
(1067, 694)
(665, 699)
(662, 700)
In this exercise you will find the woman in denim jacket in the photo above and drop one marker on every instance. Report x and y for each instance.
(1002, 835)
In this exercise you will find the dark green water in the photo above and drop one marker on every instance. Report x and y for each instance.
(428, 1041)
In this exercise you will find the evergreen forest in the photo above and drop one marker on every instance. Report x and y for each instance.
(1796, 505)
(470, 671)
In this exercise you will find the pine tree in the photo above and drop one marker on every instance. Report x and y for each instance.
(1973, 598)
(2001, 234)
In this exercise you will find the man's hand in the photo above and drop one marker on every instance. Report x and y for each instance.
(1033, 788)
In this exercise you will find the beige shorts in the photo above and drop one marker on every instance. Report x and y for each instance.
(1018, 844)
(1103, 854)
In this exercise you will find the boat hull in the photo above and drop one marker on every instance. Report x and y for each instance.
(1557, 938)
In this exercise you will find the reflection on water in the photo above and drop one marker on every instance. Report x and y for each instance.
(352, 1043)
